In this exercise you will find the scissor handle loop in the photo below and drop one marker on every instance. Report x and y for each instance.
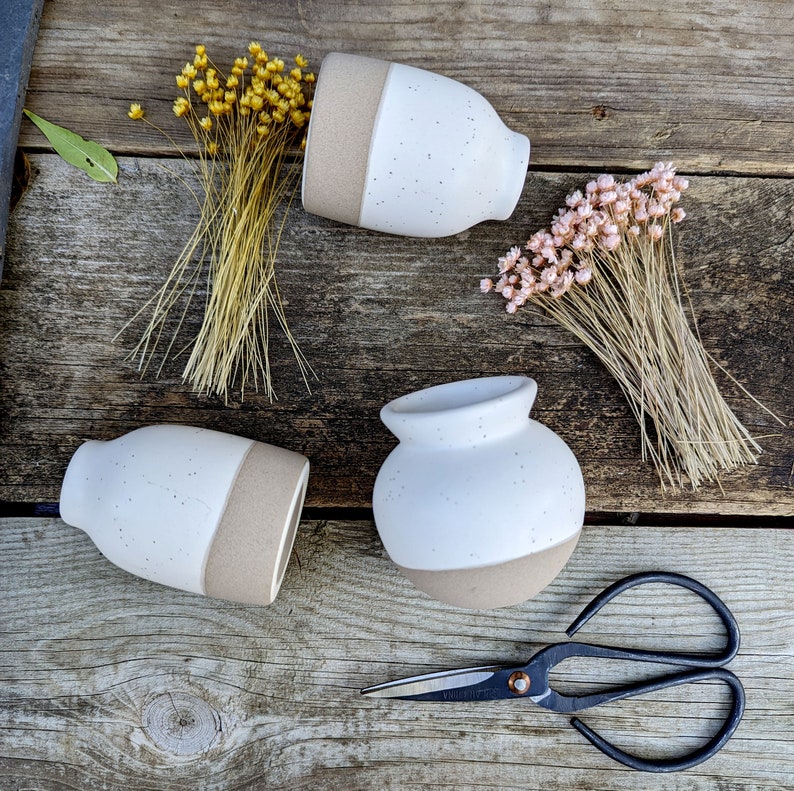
(689, 760)
(671, 578)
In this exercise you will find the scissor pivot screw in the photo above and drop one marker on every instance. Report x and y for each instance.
(518, 683)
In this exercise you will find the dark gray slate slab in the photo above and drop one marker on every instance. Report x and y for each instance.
(19, 25)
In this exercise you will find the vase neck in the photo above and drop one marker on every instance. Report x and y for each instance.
(461, 413)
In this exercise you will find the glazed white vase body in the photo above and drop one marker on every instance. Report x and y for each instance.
(402, 150)
(479, 505)
(191, 508)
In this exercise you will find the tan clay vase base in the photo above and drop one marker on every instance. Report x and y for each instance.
(252, 544)
(500, 585)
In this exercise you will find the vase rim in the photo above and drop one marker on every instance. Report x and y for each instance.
(453, 402)
(460, 394)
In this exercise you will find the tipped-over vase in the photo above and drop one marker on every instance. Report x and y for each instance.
(398, 149)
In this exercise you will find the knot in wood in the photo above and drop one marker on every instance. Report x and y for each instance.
(181, 724)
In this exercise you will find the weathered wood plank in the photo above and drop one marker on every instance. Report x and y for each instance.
(377, 317)
(113, 682)
(595, 84)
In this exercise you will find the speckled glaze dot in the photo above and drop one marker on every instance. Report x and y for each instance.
(428, 156)
(191, 508)
(479, 505)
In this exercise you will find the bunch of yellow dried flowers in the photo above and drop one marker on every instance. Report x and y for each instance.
(246, 124)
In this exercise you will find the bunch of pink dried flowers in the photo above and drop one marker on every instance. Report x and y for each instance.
(605, 270)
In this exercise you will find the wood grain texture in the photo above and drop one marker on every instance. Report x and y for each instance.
(112, 682)
(595, 84)
(377, 317)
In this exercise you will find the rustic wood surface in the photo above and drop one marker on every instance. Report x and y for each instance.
(113, 682)
(376, 317)
(604, 83)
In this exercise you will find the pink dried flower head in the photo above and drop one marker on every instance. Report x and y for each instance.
(605, 181)
(562, 284)
(584, 275)
(486, 284)
(676, 215)
(607, 197)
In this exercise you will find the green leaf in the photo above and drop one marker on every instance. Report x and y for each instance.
(98, 162)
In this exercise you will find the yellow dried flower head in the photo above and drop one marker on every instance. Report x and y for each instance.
(301, 61)
(199, 86)
(297, 118)
(244, 110)
(200, 61)
(254, 48)
(206, 124)
(237, 72)
(182, 81)
(310, 78)
(232, 82)
(296, 75)
(217, 107)
(181, 107)
(241, 63)
(257, 102)
(261, 57)
(278, 115)
(212, 148)
(189, 70)
(263, 130)
(135, 112)
(201, 49)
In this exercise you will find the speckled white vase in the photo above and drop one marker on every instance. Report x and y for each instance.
(398, 149)
(479, 505)
(195, 509)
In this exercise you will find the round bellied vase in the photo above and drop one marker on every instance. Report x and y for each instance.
(398, 149)
(478, 505)
(195, 509)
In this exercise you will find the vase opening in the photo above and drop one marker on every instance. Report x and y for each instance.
(293, 520)
(460, 395)
(458, 411)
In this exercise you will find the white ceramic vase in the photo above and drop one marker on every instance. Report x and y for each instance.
(191, 508)
(398, 149)
(479, 505)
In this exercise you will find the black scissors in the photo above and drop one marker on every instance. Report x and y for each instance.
(531, 681)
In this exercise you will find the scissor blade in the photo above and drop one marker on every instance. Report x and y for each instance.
(448, 685)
